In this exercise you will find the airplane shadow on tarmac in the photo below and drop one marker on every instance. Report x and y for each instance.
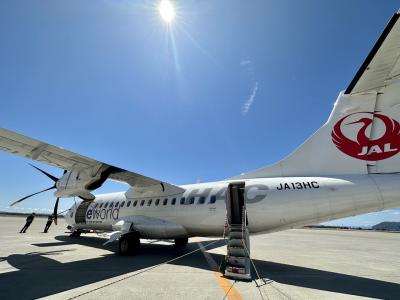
(40, 275)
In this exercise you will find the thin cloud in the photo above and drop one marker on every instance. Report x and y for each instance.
(245, 62)
(247, 105)
(247, 65)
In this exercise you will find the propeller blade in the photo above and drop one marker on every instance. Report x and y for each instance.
(55, 211)
(26, 197)
(55, 179)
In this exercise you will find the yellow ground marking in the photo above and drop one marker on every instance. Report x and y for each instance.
(229, 290)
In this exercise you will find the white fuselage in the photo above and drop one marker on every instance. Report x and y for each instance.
(272, 204)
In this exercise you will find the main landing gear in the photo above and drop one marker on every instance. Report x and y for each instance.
(76, 233)
(181, 242)
(129, 244)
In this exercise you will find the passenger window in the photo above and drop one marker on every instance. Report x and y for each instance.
(105, 205)
(116, 204)
(157, 201)
(191, 200)
(111, 204)
(165, 201)
(128, 204)
(95, 205)
(182, 200)
(122, 204)
(149, 203)
(201, 200)
(213, 199)
(101, 205)
(173, 201)
(135, 203)
(142, 203)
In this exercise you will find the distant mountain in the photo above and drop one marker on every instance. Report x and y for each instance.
(390, 226)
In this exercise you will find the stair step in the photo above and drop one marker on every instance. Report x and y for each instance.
(234, 228)
(236, 234)
(235, 261)
(235, 243)
(237, 251)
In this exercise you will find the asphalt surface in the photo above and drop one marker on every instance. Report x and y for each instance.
(297, 264)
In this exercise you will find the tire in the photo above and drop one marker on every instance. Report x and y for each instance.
(128, 244)
(75, 233)
(181, 242)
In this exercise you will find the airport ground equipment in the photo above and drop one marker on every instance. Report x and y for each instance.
(238, 246)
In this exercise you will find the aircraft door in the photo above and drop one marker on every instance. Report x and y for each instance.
(235, 203)
(80, 214)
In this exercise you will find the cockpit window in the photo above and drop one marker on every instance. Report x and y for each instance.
(128, 204)
(173, 201)
(201, 200)
(142, 203)
(165, 201)
(182, 200)
(149, 203)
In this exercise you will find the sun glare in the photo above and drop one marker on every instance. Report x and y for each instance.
(167, 11)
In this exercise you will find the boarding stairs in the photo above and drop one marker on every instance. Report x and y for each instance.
(238, 264)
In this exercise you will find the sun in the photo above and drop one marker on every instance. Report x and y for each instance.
(167, 11)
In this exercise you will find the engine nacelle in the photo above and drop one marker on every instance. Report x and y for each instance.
(80, 184)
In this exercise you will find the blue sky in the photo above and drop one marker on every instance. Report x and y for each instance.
(230, 87)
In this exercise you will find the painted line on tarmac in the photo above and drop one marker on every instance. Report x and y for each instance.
(230, 291)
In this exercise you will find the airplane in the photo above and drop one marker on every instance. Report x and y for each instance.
(349, 166)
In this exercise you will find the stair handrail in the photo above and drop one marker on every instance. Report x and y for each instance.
(244, 219)
(226, 225)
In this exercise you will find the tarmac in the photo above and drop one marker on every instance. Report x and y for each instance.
(295, 264)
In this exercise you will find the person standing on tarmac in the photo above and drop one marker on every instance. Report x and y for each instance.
(48, 223)
(28, 223)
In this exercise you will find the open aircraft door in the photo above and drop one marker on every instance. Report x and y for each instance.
(80, 215)
(235, 203)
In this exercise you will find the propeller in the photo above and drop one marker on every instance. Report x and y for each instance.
(26, 197)
(55, 214)
(53, 178)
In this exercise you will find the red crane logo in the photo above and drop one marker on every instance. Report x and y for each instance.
(365, 148)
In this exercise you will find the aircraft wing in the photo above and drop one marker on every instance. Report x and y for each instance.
(382, 64)
(55, 156)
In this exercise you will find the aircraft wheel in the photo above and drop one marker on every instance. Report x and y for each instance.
(75, 233)
(128, 244)
(181, 242)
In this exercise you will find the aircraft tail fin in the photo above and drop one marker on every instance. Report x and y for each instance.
(362, 133)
